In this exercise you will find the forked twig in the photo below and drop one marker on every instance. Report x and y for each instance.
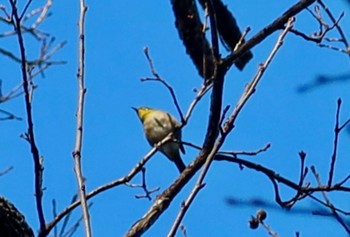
(143, 185)
(158, 78)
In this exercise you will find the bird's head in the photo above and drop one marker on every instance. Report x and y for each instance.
(143, 112)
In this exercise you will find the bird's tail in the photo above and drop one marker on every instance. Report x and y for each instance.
(179, 164)
(171, 151)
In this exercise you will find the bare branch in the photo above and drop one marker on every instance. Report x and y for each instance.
(38, 167)
(335, 146)
(158, 78)
(80, 118)
(247, 153)
(44, 11)
(9, 115)
(25, 9)
(7, 170)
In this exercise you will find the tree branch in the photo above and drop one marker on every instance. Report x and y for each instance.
(38, 168)
(80, 118)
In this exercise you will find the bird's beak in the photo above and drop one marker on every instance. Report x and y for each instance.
(135, 109)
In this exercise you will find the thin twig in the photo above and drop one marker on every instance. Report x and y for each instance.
(335, 144)
(269, 229)
(10, 55)
(9, 116)
(44, 11)
(6, 171)
(80, 114)
(213, 29)
(200, 93)
(303, 170)
(347, 122)
(67, 217)
(340, 50)
(246, 153)
(344, 180)
(74, 227)
(54, 212)
(25, 9)
(158, 78)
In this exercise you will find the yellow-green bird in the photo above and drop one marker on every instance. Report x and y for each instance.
(157, 124)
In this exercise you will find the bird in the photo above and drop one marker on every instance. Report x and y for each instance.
(157, 124)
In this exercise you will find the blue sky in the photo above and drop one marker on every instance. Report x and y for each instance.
(116, 34)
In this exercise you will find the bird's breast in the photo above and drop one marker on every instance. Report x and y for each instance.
(156, 130)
